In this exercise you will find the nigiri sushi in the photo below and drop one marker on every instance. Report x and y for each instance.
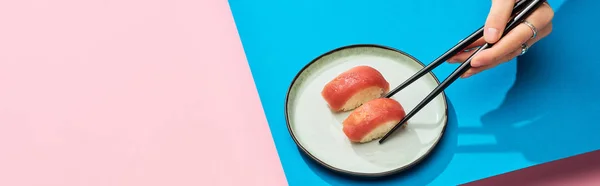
(354, 87)
(373, 120)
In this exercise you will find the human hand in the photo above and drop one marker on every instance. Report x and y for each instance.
(513, 43)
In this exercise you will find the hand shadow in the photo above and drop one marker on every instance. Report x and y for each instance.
(552, 110)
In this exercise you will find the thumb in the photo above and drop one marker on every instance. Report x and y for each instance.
(497, 19)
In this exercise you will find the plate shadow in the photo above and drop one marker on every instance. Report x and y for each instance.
(420, 174)
(551, 111)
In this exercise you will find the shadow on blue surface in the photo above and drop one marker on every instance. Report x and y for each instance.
(545, 115)
(547, 112)
(552, 110)
(443, 154)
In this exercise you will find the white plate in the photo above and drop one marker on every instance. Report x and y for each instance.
(318, 131)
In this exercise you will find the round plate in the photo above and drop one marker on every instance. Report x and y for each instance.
(318, 131)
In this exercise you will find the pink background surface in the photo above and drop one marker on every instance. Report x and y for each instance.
(128, 92)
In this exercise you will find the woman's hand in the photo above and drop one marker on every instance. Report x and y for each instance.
(511, 45)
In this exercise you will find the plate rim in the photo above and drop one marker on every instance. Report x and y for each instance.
(352, 173)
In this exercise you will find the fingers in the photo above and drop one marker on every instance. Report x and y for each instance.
(509, 46)
(541, 34)
(513, 40)
(497, 19)
(463, 55)
(477, 43)
(475, 70)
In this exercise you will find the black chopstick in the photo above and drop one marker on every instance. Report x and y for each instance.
(515, 21)
(462, 45)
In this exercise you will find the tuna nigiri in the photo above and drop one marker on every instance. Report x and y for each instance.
(354, 87)
(373, 120)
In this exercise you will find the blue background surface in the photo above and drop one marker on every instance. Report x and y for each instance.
(543, 108)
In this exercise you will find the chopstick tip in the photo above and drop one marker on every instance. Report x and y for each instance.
(382, 139)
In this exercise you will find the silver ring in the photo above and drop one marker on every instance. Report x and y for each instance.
(524, 49)
(533, 29)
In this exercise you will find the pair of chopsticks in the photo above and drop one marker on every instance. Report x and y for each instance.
(522, 9)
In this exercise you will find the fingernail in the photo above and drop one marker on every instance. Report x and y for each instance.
(491, 34)
(470, 49)
(467, 74)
